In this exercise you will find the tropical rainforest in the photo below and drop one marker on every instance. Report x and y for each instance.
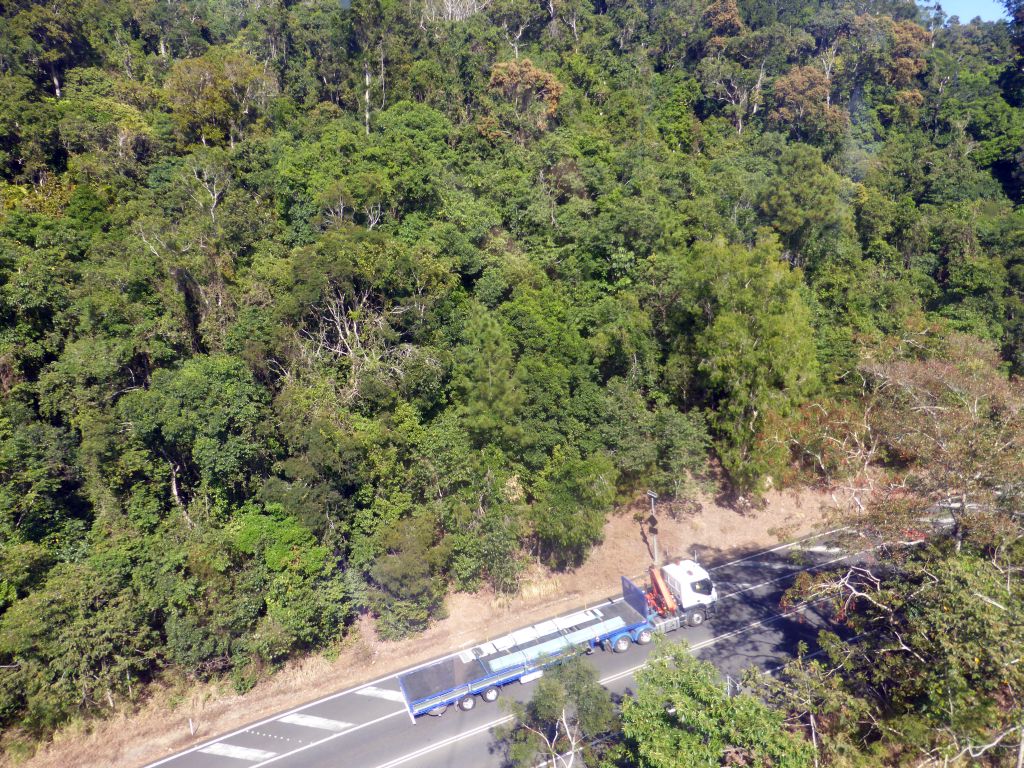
(312, 309)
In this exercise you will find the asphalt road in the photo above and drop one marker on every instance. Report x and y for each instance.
(369, 727)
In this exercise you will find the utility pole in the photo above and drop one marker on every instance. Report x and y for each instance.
(652, 527)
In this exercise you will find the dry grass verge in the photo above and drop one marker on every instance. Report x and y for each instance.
(178, 715)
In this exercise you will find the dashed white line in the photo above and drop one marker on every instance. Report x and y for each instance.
(604, 681)
(203, 746)
(756, 555)
(814, 567)
(711, 641)
(239, 753)
(312, 721)
(380, 693)
(445, 742)
(330, 738)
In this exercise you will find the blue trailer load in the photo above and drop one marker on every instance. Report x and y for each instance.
(522, 655)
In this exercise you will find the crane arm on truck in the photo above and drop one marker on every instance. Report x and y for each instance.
(521, 656)
(664, 601)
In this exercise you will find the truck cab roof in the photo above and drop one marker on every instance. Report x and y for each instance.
(685, 571)
(690, 583)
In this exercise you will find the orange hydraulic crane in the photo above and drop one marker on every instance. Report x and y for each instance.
(659, 597)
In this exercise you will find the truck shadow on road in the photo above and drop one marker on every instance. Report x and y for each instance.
(739, 644)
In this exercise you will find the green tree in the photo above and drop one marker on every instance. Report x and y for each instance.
(40, 483)
(572, 498)
(28, 131)
(566, 713)
(656, 447)
(485, 380)
(50, 37)
(207, 421)
(216, 96)
(76, 645)
(683, 715)
(307, 602)
(409, 588)
(752, 355)
(1016, 12)
(805, 205)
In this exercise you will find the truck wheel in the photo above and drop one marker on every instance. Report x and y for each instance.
(621, 644)
(696, 617)
(490, 694)
(466, 703)
(438, 711)
(644, 637)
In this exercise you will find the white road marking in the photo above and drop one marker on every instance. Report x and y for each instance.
(453, 654)
(445, 742)
(823, 549)
(553, 763)
(611, 678)
(773, 565)
(381, 693)
(727, 635)
(330, 738)
(800, 570)
(312, 721)
(781, 546)
(239, 753)
(734, 585)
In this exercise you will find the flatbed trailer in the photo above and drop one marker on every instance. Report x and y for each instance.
(522, 656)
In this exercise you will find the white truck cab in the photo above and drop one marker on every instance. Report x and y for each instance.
(692, 587)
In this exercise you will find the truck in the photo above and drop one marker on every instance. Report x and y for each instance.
(680, 594)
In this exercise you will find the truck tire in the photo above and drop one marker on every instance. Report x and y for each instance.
(644, 637)
(438, 711)
(490, 695)
(695, 617)
(466, 703)
(621, 644)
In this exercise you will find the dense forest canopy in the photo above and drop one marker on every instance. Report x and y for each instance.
(308, 309)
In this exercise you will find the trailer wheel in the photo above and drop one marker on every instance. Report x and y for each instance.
(438, 711)
(644, 637)
(490, 694)
(466, 703)
(621, 644)
(696, 617)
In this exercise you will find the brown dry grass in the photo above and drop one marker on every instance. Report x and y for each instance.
(161, 725)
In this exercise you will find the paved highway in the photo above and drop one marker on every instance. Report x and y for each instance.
(369, 727)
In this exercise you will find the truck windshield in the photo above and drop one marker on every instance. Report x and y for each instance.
(702, 587)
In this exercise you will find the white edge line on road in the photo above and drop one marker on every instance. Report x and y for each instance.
(781, 546)
(312, 744)
(771, 671)
(814, 567)
(711, 641)
(445, 742)
(394, 675)
(604, 681)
